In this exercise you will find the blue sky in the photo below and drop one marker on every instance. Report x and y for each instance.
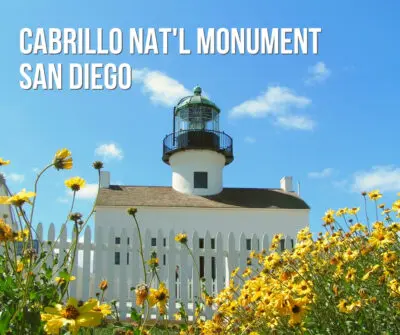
(329, 120)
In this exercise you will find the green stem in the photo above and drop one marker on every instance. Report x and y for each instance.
(87, 219)
(141, 249)
(72, 260)
(35, 189)
(62, 227)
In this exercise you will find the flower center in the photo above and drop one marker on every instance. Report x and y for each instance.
(161, 296)
(70, 312)
(296, 309)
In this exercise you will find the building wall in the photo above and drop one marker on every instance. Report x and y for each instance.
(185, 163)
(249, 221)
(4, 209)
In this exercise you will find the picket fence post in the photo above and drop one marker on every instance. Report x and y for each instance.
(98, 259)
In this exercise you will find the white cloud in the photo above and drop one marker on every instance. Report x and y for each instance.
(318, 73)
(88, 192)
(161, 88)
(296, 122)
(385, 178)
(278, 102)
(109, 151)
(249, 139)
(327, 172)
(15, 177)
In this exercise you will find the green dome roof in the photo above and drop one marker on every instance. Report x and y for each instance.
(195, 99)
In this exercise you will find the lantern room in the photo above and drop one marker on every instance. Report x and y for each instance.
(196, 113)
(196, 126)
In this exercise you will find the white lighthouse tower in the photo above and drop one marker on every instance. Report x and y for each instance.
(197, 150)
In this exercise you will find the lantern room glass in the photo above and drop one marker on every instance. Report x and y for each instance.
(197, 117)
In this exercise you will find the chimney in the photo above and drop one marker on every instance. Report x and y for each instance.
(104, 179)
(287, 184)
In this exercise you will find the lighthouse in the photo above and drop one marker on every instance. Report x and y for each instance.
(197, 150)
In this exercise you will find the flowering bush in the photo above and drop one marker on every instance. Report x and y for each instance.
(345, 281)
(32, 288)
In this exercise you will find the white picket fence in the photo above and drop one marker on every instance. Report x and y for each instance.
(95, 261)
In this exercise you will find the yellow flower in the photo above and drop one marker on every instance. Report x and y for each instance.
(297, 311)
(72, 316)
(104, 309)
(375, 195)
(354, 210)
(389, 257)
(159, 298)
(103, 285)
(3, 162)
(277, 238)
(208, 300)
(75, 183)
(358, 227)
(350, 254)
(351, 274)
(153, 262)
(63, 159)
(60, 280)
(6, 233)
(22, 235)
(181, 238)
(370, 271)
(342, 211)
(329, 216)
(141, 291)
(17, 199)
(380, 238)
(394, 286)
(345, 306)
(303, 288)
(234, 272)
(396, 206)
(20, 266)
(246, 272)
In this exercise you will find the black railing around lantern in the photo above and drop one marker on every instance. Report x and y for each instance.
(198, 139)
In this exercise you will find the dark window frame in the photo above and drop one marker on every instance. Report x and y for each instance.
(200, 179)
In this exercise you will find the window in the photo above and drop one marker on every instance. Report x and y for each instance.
(128, 241)
(153, 242)
(165, 242)
(201, 243)
(201, 266)
(213, 268)
(200, 180)
(127, 258)
(164, 259)
(117, 258)
(213, 243)
(118, 240)
(282, 244)
(248, 243)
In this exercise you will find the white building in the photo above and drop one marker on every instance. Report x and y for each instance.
(5, 210)
(197, 152)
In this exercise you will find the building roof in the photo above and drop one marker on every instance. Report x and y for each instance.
(162, 196)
